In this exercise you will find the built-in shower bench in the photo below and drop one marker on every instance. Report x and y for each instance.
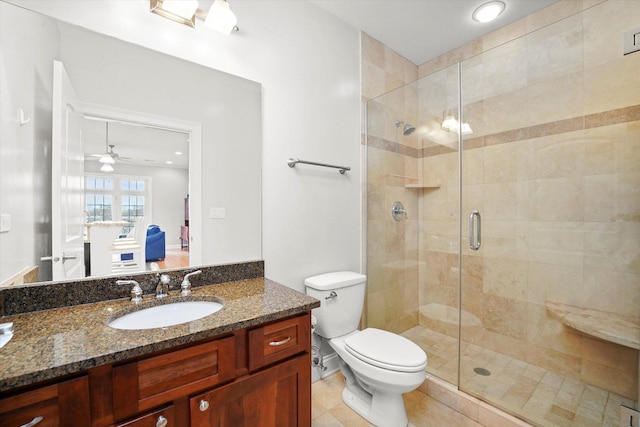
(607, 326)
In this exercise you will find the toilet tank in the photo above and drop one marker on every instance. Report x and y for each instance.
(341, 295)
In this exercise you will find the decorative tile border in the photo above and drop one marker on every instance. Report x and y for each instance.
(590, 121)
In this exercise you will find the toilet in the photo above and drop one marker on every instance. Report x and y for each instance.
(378, 366)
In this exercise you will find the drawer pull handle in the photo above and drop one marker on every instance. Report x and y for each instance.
(278, 343)
(204, 405)
(33, 422)
(162, 422)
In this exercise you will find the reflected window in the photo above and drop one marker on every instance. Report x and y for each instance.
(116, 198)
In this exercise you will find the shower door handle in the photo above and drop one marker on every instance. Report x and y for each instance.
(474, 236)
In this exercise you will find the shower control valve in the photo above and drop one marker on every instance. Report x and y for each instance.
(398, 212)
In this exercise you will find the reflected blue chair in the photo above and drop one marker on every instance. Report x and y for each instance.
(155, 246)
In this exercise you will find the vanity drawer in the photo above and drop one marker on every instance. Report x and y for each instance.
(271, 343)
(150, 382)
(62, 404)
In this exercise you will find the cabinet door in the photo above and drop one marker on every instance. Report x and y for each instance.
(278, 396)
(62, 404)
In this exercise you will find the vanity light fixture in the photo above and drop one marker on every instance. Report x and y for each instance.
(182, 11)
(451, 124)
(220, 17)
(489, 11)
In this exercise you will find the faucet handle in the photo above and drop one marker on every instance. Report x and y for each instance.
(186, 283)
(136, 291)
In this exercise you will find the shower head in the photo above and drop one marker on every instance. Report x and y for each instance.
(407, 128)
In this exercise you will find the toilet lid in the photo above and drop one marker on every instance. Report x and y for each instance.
(386, 350)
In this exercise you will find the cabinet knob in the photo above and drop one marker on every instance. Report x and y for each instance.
(162, 422)
(204, 405)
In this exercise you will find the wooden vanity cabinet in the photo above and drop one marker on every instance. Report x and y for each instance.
(63, 404)
(256, 376)
(278, 390)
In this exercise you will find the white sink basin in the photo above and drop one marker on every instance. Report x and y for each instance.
(165, 315)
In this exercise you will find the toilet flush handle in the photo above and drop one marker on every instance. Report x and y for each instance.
(332, 295)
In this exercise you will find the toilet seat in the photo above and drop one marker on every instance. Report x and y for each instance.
(386, 350)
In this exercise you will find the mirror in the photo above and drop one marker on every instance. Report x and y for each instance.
(153, 97)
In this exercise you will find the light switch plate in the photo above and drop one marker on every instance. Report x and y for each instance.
(217, 213)
(5, 223)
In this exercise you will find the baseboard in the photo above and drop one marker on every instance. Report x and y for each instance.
(330, 362)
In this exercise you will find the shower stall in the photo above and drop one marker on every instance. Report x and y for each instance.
(516, 262)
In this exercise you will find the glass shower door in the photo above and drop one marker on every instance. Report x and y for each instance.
(552, 167)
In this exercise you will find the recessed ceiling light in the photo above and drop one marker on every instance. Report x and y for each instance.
(178, 153)
(169, 162)
(489, 11)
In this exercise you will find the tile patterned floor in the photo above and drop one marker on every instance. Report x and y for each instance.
(542, 397)
(328, 410)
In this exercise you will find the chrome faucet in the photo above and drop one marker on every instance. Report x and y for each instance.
(136, 291)
(162, 290)
(186, 284)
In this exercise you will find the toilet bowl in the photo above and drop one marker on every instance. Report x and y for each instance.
(378, 366)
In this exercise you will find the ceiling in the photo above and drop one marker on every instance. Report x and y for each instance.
(421, 30)
(136, 144)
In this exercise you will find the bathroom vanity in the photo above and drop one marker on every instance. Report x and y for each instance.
(247, 364)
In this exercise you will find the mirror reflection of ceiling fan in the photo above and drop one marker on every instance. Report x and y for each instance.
(108, 158)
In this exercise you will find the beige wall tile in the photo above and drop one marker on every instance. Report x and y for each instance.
(603, 41)
(557, 199)
(612, 291)
(599, 204)
(506, 278)
(556, 243)
(552, 14)
(505, 34)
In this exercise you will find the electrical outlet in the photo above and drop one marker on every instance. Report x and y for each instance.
(5, 223)
(629, 417)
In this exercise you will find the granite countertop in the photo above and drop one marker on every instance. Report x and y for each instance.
(52, 343)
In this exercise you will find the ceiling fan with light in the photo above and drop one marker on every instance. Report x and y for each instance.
(108, 158)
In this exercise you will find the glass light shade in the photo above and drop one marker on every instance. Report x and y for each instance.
(487, 12)
(106, 168)
(107, 159)
(183, 8)
(221, 18)
(450, 123)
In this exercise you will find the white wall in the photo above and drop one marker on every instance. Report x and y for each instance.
(308, 63)
(26, 190)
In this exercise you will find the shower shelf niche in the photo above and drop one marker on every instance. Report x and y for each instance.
(426, 185)
(607, 326)
(421, 185)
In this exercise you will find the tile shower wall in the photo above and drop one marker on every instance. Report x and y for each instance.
(554, 167)
(392, 246)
